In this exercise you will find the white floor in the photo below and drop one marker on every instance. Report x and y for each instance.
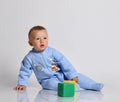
(110, 93)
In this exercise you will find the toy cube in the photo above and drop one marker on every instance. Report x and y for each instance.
(72, 82)
(66, 89)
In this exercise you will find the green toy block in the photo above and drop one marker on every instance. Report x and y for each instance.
(66, 89)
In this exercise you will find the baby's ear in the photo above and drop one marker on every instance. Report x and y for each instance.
(30, 43)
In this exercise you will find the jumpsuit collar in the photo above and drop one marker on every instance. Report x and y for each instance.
(33, 50)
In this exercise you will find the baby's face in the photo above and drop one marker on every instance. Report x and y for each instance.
(39, 40)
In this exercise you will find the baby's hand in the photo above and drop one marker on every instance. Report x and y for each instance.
(75, 79)
(20, 88)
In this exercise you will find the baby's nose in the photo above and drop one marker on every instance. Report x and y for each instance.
(41, 40)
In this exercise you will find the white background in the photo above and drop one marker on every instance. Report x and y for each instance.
(87, 32)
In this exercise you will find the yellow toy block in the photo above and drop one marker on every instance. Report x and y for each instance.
(70, 81)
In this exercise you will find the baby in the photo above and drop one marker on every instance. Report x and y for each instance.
(49, 65)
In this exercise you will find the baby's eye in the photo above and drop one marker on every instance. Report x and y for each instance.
(37, 39)
(45, 37)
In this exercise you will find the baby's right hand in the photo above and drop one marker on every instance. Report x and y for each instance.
(20, 88)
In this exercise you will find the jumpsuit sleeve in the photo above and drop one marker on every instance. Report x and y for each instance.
(25, 71)
(66, 67)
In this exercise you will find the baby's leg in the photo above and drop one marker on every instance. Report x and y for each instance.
(50, 84)
(87, 83)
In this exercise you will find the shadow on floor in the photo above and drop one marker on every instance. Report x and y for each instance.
(51, 96)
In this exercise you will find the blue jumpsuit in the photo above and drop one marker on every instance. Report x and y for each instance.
(42, 65)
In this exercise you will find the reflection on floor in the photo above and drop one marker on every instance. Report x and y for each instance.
(51, 96)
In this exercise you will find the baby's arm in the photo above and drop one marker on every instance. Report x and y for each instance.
(66, 67)
(20, 88)
(24, 74)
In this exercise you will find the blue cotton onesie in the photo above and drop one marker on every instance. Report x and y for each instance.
(50, 68)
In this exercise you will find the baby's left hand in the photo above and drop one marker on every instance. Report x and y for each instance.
(75, 79)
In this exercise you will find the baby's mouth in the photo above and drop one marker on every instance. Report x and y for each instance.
(42, 45)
